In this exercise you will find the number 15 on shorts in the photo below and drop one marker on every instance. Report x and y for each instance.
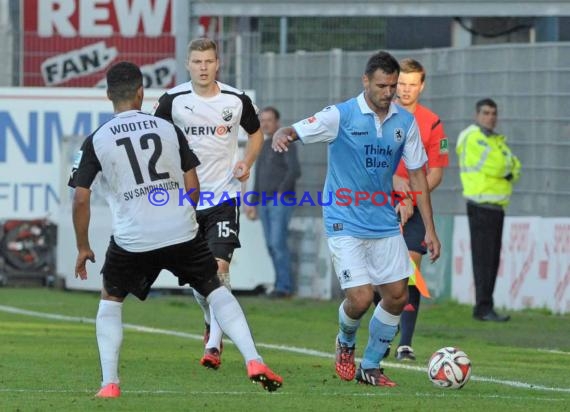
(224, 229)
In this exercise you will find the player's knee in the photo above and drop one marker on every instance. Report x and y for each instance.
(401, 296)
(359, 299)
(398, 301)
(207, 286)
(209, 282)
(114, 294)
(223, 266)
(395, 301)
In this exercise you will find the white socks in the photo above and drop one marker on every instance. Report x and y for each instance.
(109, 330)
(216, 332)
(232, 321)
(204, 305)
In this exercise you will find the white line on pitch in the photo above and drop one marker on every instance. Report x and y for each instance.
(446, 394)
(283, 348)
(556, 351)
(156, 392)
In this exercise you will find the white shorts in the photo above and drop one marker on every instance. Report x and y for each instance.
(360, 262)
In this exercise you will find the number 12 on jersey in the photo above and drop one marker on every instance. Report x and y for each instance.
(144, 139)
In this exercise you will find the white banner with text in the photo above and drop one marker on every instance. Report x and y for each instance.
(33, 122)
(534, 270)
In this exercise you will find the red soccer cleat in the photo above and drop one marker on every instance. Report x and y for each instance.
(374, 377)
(211, 358)
(344, 365)
(110, 390)
(260, 372)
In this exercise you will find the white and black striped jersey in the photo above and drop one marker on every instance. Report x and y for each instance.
(211, 126)
(140, 161)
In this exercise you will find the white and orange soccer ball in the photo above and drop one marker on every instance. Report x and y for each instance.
(449, 368)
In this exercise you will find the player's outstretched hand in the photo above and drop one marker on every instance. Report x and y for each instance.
(82, 257)
(433, 245)
(282, 139)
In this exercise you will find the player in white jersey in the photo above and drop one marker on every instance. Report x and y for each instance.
(141, 161)
(366, 137)
(210, 114)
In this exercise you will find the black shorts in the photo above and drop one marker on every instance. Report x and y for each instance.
(219, 225)
(191, 262)
(415, 233)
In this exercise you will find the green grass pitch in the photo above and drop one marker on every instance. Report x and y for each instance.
(49, 364)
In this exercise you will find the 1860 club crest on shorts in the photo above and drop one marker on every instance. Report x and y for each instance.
(345, 276)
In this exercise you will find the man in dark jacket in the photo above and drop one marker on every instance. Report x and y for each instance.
(275, 176)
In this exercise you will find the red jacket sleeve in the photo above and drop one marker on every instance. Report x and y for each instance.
(437, 150)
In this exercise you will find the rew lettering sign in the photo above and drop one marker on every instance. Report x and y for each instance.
(72, 42)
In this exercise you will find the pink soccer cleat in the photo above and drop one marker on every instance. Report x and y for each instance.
(110, 390)
(260, 372)
(211, 358)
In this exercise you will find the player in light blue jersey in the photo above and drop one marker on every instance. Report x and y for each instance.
(367, 136)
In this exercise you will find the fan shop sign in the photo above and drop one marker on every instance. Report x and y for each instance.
(73, 42)
(33, 123)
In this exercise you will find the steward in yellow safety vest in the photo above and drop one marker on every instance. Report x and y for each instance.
(488, 168)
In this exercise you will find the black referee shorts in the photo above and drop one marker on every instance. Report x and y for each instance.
(191, 262)
(415, 233)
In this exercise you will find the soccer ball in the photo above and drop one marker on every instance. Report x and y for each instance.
(449, 368)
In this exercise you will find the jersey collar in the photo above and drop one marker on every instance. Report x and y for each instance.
(365, 109)
(191, 87)
(127, 113)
